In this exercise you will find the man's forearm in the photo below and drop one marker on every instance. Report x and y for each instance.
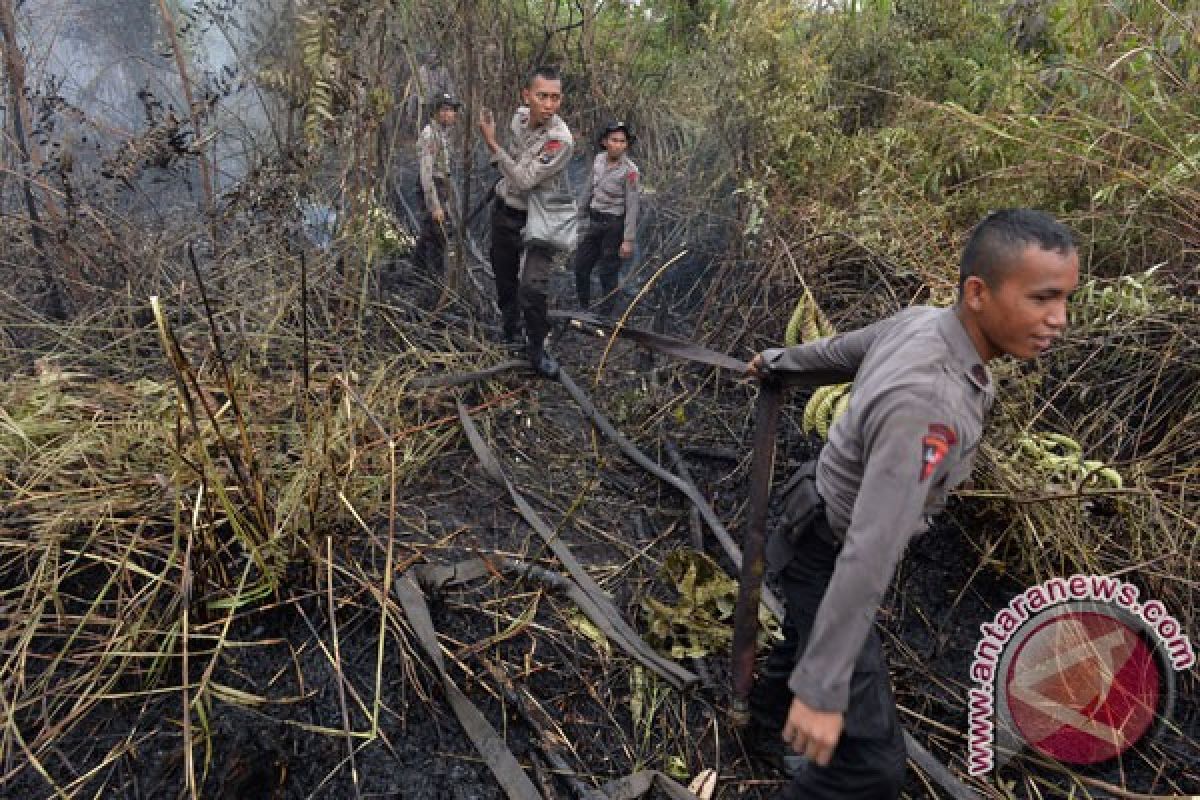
(843, 353)
(821, 677)
(632, 207)
(429, 189)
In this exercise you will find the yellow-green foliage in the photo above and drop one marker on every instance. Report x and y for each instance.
(770, 77)
(824, 407)
(63, 428)
(1057, 460)
(312, 87)
(1130, 297)
(700, 622)
(325, 77)
(903, 123)
(315, 37)
(807, 324)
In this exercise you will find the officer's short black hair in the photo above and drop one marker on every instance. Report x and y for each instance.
(443, 100)
(545, 72)
(613, 127)
(1001, 237)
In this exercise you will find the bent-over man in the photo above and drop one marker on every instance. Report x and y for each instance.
(910, 434)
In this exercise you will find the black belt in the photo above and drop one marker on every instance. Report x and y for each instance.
(515, 213)
(605, 215)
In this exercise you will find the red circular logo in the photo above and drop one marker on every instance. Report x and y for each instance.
(1082, 686)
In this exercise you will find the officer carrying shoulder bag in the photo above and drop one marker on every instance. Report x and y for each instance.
(552, 220)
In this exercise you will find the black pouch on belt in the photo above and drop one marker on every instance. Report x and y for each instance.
(802, 508)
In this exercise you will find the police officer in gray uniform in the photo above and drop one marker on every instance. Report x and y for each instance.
(610, 211)
(433, 168)
(541, 148)
(921, 390)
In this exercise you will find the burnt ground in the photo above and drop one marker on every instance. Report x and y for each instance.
(618, 521)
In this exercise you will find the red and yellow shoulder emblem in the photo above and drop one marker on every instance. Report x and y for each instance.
(549, 150)
(935, 444)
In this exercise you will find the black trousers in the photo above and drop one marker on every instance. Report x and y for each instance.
(522, 275)
(601, 244)
(869, 761)
(429, 253)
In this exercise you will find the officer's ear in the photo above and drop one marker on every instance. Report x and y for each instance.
(974, 293)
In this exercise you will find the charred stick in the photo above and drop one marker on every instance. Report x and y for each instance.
(745, 615)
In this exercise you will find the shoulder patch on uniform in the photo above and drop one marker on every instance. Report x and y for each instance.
(549, 150)
(944, 431)
(934, 446)
(631, 177)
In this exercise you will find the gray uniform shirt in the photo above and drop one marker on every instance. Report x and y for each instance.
(433, 161)
(908, 437)
(535, 156)
(614, 189)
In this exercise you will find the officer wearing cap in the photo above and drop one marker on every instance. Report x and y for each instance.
(541, 148)
(433, 160)
(910, 434)
(610, 210)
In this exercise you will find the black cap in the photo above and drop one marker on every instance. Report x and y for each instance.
(443, 99)
(613, 127)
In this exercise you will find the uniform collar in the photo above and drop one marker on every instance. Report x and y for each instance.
(549, 124)
(964, 352)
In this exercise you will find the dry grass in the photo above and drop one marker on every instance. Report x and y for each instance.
(250, 444)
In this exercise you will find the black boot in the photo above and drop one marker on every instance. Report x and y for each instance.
(607, 307)
(511, 339)
(537, 326)
(510, 331)
(583, 282)
(417, 257)
(542, 362)
(583, 291)
(609, 294)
